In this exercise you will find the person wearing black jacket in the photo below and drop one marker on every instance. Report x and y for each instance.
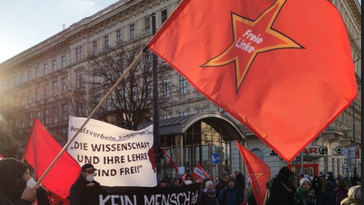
(86, 191)
(279, 190)
(222, 184)
(240, 179)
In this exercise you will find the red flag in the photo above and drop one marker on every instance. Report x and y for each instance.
(199, 173)
(282, 68)
(1, 157)
(169, 159)
(40, 152)
(258, 170)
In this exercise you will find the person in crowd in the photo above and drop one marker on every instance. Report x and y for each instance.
(240, 180)
(208, 194)
(167, 179)
(321, 175)
(322, 183)
(17, 187)
(293, 181)
(337, 181)
(300, 176)
(176, 182)
(203, 184)
(341, 192)
(316, 187)
(305, 194)
(327, 196)
(279, 190)
(162, 183)
(230, 195)
(330, 177)
(354, 196)
(85, 190)
(222, 183)
(237, 185)
(187, 180)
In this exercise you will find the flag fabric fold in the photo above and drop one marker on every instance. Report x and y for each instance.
(169, 159)
(258, 170)
(278, 66)
(40, 152)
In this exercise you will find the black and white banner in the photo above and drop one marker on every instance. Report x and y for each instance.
(122, 157)
(186, 195)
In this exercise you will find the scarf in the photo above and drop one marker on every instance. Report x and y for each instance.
(304, 195)
(210, 193)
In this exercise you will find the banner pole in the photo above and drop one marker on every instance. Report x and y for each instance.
(93, 113)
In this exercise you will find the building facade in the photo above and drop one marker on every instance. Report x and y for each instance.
(51, 81)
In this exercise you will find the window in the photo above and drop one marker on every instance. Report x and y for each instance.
(96, 76)
(108, 104)
(54, 65)
(132, 31)
(165, 117)
(15, 83)
(37, 72)
(135, 93)
(183, 113)
(45, 69)
(79, 79)
(63, 61)
(259, 153)
(201, 110)
(150, 91)
(164, 15)
(55, 88)
(107, 72)
(118, 37)
(79, 53)
(29, 75)
(165, 87)
(22, 78)
(182, 85)
(147, 25)
(94, 45)
(47, 116)
(38, 94)
(64, 87)
(106, 43)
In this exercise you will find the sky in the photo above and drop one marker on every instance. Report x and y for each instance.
(25, 23)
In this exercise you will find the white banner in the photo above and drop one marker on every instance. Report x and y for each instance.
(121, 157)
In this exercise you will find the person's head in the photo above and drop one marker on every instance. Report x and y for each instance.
(337, 181)
(14, 177)
(188, 179)
(293, 180)
(176, 181)
(233, 176)
(225, 177)
(329, 173)
(162, 183)
(209, 185)
(285, 173)
(231, 183)
(355, 192)
(236, 173)
(88, 172)
(305, 184)
(343, 185)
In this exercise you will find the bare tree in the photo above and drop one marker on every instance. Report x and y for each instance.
(131, 103)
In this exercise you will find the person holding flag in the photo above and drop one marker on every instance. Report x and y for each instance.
(280, 191)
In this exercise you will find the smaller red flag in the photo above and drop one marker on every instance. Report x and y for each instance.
(169, 159)
(258, 170)
(199, 173)
(40, 152)
(1, 157)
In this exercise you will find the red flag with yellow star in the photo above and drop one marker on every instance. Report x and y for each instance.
(258, 170)
(281, 67)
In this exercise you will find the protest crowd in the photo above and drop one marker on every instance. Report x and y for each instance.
(18, 187)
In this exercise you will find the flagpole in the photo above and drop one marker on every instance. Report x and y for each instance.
(156, 107)
(93, 113)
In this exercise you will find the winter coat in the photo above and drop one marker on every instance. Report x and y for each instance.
(279, 193)
(82, 195)
(340, 194)
(229, 196)
(208, 197)
(240, 179)
(219, 187)
(327, 197)
(305, 197)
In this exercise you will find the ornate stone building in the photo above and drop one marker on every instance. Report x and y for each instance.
(51, 81)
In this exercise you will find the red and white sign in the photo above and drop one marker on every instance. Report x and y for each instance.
(199, 173)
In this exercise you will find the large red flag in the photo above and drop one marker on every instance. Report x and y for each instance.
(281, 67)
(258, 170)
(40, 152)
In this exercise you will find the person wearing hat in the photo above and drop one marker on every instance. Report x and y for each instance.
(279, 190)
(207, 196)
(187, 180)
(230, 195)
(85, 190)
(17, 187)
(305, 194)
(162, 183)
